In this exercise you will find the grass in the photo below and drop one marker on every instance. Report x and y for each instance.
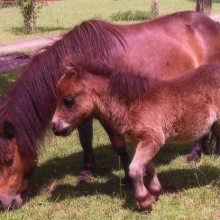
(137, 15)
(191, 191)
(60, 16)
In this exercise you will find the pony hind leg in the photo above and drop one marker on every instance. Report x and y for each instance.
(217, 151)
(119, 144)
(145, 152)
(201, 145)
(216, 132)
(85, 131)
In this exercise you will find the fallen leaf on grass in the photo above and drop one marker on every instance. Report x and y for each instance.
(52, 186)
(210, 185)
(216, 215)
(173, 195)
(190, 202)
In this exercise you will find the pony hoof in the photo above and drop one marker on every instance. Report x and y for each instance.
(191, 159)
(156, 193)
(146, 205)
(156, 197)
(85, 176)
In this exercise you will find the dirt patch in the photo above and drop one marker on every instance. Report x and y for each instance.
(18, 59)
(40, 42)
(13, 61)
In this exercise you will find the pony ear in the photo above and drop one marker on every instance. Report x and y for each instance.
(76, 72)
(76, 69)
(73, 65)
(8, 130)
(69, 67)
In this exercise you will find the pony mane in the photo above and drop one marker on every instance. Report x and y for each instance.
(128, 86)
(31, 102)
(93, 39)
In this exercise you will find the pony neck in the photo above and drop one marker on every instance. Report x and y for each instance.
(106, 107)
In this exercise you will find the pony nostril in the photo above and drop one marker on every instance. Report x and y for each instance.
(13, 204)
(53, 127)
(60, 128)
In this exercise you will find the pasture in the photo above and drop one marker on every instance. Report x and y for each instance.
(190, 191)
(60, 16)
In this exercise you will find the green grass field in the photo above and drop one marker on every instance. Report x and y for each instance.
(190, 191)
(60, 16)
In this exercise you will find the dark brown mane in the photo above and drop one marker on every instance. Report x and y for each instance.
(129, 87)
(94, 39)
(126, 85)
(31, 102)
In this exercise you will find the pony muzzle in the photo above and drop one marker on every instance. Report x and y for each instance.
(60, 128)
(10, 203)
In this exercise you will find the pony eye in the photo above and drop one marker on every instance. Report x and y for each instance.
(8, 162)
(68, 101)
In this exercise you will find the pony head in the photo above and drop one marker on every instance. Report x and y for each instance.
(74, 103)
(14, 171)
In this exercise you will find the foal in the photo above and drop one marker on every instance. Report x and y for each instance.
(148, 111)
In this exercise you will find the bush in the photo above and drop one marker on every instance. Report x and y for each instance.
(5, 4)
(137, 15)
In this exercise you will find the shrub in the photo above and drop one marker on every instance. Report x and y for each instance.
(6, 4)
(137, 15)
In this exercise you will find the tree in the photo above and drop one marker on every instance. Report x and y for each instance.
(154, 8)
(204, 6)
(29, 10)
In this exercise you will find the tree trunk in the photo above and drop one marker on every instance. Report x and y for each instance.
(154, 8)
(30, 18)
(204, 6)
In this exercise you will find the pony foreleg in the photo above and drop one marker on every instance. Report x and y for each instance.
(145, 152)
(119, 145)
(154, 185)
(85, 135)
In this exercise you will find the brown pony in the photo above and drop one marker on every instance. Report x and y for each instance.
(148, 111)
(165, 46)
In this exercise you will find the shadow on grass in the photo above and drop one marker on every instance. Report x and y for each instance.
(57, 168)
(19, 30)
(170, 152)
(172, 181)
(106, 161)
